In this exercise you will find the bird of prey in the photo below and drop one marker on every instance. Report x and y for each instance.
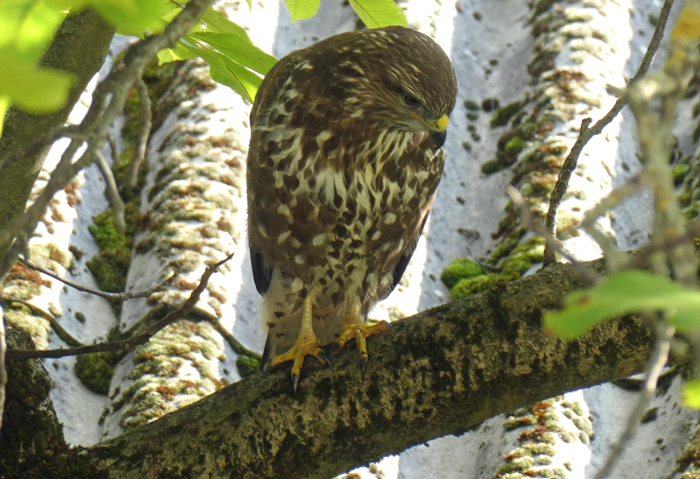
(344, 161)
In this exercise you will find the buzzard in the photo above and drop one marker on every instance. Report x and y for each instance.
(344, 161)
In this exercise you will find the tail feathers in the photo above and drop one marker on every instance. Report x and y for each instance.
(269, 352)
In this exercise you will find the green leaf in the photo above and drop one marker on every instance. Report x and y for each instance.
(134, 17)
(12, 13)
(36, 29)
(28, 25)
(625, 293)
(691, 394)
(69, 4)
(36, 90)
(240, 48)
(218, 23)
(301, 9)
(232, 74)
(4, 105)
(174, 54)
(379, 13)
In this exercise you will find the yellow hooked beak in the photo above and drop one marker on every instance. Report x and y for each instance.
(441, 123)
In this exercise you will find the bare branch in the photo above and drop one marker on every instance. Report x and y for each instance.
(70, 131)
(127, 344)
(560, 189)
(144, 133)
(232, 341)
(125, 296)
(616, 260)
(656, 365)
(533, 224)
(3, 371)
(112, 193)
(116, 159)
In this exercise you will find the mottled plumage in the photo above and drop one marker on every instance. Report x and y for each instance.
(345, 157)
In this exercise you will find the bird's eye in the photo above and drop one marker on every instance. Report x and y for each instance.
(410, 100)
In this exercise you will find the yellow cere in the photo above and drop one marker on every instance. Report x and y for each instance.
(441, 124)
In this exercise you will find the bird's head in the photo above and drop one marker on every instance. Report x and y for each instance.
(402, 81)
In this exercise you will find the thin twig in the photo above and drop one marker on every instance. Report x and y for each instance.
(659, 359)
(70, 131)
(144, 132)
(560, 189)
(3, 371)
(586, 134)
(112, 193)
(116, 158)
(235, 344)
(614, 259)
(130, 343)
(62, 333)
(533, 224)
(125, 296)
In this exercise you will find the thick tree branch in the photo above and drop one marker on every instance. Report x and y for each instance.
(440, 372)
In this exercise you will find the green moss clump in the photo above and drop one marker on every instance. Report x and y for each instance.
(691, 211)
(111, 265)
(514, 146)
(471, 105)
(504, 114)
(468, 286)
(521, 258)
(680, 171)
(95, 371)
(458, 269)
(508, 244)
(110, 269)
(519, 464)
(246, 365)
(491, 166)
(105, 232)
(537, 449)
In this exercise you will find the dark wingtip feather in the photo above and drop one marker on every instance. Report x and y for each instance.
(262, 272)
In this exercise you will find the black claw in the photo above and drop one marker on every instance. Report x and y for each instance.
(363, 364)
(327, 360)
(335, 349)
(295, 382)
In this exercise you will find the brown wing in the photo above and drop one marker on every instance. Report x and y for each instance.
(267, 95)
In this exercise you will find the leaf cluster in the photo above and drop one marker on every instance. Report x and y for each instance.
(28, 26)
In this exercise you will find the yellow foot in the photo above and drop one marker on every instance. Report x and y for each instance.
(305, 345)
(355, 329)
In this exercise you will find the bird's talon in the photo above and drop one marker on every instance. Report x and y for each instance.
(323, 357)
(305, 345)
(295, 382)
(359, 332)
(335, 350)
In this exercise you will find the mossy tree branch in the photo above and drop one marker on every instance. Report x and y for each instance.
(440, 372)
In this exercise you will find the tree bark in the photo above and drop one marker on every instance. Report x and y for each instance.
(440, 372)
(79, 47)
